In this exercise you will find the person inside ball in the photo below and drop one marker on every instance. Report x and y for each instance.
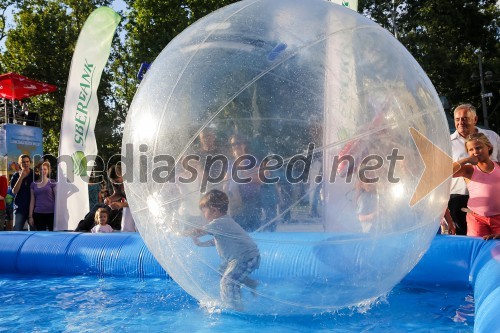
(239, 254)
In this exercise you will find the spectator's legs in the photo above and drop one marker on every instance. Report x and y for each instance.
(285, 191)
(2, 220)
(50, 222)
(455, 205)
(8, 220)
(20, 219)
(44, 221)
(477, 226)
(495, 224)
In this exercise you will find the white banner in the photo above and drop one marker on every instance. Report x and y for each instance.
(77, 140)
(353, 4)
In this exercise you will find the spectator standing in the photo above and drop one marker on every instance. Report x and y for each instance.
(3, 195)
(189, 215)
(482, 176)
(9, 208)
(465, 123)
(103, 193)
(36, 171)
(42, 203)
(366, 205)
(94, 191)
(118, 200)
(244, 197)
(209, 150)
(269, 199)
(21, 187)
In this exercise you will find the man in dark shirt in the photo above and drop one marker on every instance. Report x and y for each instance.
(118, 199)
(20, 184)
(113, 203)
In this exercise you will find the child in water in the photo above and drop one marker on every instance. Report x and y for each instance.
(239, 254)
(101, 221)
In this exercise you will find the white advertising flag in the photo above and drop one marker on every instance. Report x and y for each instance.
(77, 144)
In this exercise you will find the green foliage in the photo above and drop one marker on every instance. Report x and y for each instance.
(441, 35)
(149, 27)
(201, 8)
(41, 47)
(5, 6)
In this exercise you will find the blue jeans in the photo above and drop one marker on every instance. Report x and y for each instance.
(20, 219)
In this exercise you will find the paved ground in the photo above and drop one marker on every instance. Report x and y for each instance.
(301, 222)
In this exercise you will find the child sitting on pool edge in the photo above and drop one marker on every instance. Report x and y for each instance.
(239, 254)
(101, 221)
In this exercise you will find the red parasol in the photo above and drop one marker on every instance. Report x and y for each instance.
(17, 87)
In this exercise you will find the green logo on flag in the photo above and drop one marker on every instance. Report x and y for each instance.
(79, 163)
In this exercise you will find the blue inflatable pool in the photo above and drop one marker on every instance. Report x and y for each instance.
(451, 260)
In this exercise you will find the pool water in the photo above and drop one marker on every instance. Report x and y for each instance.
(117, 304)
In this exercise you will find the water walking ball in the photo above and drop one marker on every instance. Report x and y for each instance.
(300, 112)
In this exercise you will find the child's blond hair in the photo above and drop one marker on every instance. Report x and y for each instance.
(481, 138)
(98, 212)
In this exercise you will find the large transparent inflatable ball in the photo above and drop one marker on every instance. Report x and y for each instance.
(299, 111)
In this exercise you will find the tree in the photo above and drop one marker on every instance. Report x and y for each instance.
(150, 26)
(47, 31)
(42, 32)
(443, 38)
(5, 6)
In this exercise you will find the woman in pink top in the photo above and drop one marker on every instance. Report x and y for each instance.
(482, 177)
